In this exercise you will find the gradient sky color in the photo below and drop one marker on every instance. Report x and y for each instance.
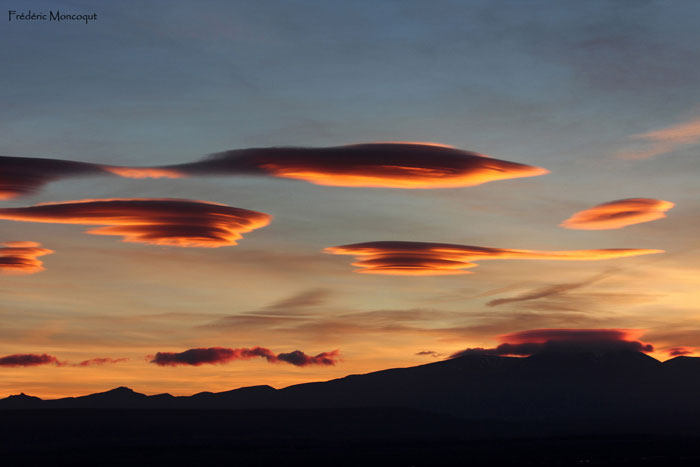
(604, 95)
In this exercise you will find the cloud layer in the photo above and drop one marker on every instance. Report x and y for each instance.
(383, 165)
(21, 257)
(27, 359)
(431, 259)
(618, 214)
(174, 222)
(527, 343)
(214, 355)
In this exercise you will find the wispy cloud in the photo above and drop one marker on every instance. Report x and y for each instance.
(665, 140)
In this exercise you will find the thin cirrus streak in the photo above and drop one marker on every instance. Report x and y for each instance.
(21, 257)
(432, 259)
(525, 343)
(618, 214)
(28, 360)
(174, 222)
(379, 165)
(100, 361)
(218, 355)
(666, 140)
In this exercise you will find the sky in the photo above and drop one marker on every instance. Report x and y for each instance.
(582, 217)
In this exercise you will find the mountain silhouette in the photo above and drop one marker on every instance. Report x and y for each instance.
(550, 385)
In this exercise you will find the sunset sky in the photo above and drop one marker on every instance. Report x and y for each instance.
(560, 192)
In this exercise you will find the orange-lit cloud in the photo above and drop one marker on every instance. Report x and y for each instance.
(143, 172)
(28, 360)
(100, 361)
(214, 355)
(526, 343)
(666, 140)
(383, 165)
(679, 351)
(618, 214)
(26, 175)
(173, 222)
(431, 259)
(21, 257)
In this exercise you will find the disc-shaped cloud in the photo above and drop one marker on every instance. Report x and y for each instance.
(618, 214)
(525, 343)
(431, 259)
(28, 359)
(174, 222)
(21, 257)
(384, 165)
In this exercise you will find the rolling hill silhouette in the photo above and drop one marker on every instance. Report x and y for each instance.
(545, 386)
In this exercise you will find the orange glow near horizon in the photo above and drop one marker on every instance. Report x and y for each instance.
(618, 214)
(171, 222)
(426, 259)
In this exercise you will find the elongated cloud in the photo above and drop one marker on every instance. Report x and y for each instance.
(383, 165)
(526, 343)
(26, 175)
(666, 140)
(21, 257)
(680, 351)
(431, 259)
(27, 359)
(618, 214)
(100, 361)
(21, 176)
(214, 355)
(174, 222)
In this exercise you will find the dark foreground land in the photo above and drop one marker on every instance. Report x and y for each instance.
(558, 407)
(332, 437)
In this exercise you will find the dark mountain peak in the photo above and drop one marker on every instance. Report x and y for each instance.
(22, 396)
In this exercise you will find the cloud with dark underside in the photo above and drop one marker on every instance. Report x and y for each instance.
(431, 259)
(175, 222)
(219, 355)
(100, 361)
(379, 165)
(525, 343)
(21, 257)
(20, 176)
(679, 351)
(618, 214)
(27, 359)
(429, 353)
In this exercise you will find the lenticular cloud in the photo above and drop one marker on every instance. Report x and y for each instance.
(174, 222)
(618, 214)
(431, 259)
